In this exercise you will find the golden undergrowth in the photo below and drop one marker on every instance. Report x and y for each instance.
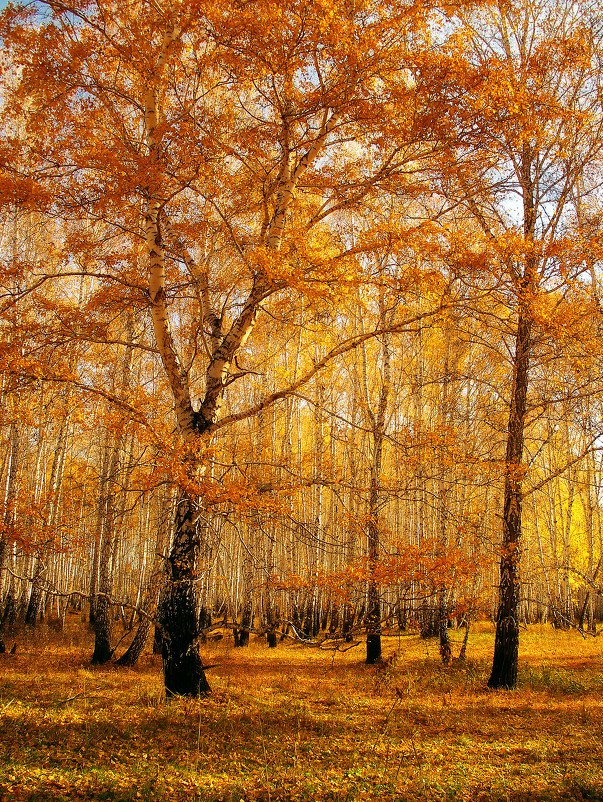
(298, 723)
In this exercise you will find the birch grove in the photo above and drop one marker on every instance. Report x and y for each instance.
(356, 245)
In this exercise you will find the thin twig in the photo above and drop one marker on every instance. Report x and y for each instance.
(71, 698)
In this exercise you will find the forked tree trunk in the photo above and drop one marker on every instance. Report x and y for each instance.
(182, 667)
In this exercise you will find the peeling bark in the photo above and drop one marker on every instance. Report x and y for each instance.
(182, 666)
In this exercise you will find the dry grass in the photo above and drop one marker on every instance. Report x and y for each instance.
(297, 723)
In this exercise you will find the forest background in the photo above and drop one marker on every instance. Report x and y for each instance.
(301, 322)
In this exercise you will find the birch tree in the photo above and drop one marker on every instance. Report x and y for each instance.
(217, 141)
(535, 104)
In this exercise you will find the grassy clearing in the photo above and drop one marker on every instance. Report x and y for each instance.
(303, 724)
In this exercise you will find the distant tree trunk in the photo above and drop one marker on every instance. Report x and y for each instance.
(52, 507)
(463, 652)
(102, 613)
(373, 613)
(445, 647)
(7, 544)
(102, 608)
(157, 634)
(348, 622)
(108, 513)
(35, 600)
(149, 603)
(429, 620)
(378, 426)
(247, 601)
(269, 611)
(134, 650)
(442, 490)
(100, 523)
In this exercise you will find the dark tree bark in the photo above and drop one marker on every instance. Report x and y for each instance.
(373, 613)
(99, 528)
(102, 632)
(7, 543)
(334, 625)
(134, 650)
(442, 468)
(373, 631)
(445, 647)
(9, 615)
(506, 646)
(157, 633)
(247, 603)
(348, 622)
(463, 652)
(102, 611)
(271, 620)
(182, 666)
(35, 600)
(243, 638)
(378, 425)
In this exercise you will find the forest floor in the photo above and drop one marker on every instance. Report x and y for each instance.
(299, 723)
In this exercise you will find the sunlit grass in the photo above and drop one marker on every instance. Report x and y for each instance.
(297, 723)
